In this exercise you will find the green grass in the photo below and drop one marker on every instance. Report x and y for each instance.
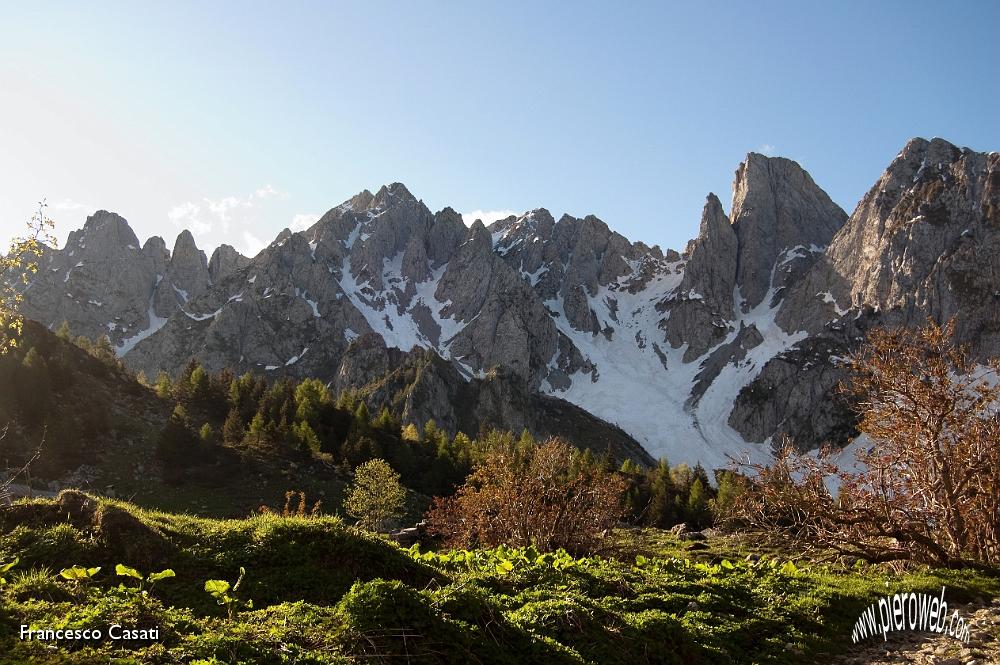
(323, 592)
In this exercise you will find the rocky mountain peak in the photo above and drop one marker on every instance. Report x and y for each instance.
(776, 208)
(105, 232)
(186, 250)
(714, 222)
(392, 195)
(711, 269)
(156, 252)
(361, 201)
(186, 276)
(224, 262)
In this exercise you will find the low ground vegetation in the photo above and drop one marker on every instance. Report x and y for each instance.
(325, 592)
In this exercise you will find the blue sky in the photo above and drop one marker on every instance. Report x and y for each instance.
(239, 119)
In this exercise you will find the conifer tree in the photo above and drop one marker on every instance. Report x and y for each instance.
(164, 387)
(362, 420)
(232, 429)
(661, 510)
(698, 514)
(258, 430)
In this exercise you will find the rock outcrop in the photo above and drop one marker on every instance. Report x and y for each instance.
(776, 208)
(923, 243)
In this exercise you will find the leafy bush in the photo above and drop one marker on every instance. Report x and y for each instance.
(524, 494)
(926, 489)
(376, 496)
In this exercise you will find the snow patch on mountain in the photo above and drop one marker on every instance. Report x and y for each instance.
(659, 415)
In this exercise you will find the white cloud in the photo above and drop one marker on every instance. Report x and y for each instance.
(70, 205)
(267, 191)
(251, 245)
(487, 216)
(303, 221)
(217, 214)
(766, 149)
(221, 207)
(188, 216)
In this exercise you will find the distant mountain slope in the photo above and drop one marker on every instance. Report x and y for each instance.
(697, 355)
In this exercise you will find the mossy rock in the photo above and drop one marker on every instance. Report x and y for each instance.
(141, 544)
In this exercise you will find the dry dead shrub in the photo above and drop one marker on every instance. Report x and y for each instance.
(292, 510)
(927, 489)
(523, 494)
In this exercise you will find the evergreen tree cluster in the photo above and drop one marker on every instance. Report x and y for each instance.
(664, 496)
(301, 420)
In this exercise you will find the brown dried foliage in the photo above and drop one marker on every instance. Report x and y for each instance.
(523, 494)
(927, 488)
(291, 510)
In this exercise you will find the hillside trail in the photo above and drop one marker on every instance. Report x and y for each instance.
(924, 648)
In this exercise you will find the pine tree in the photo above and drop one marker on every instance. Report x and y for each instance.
(258, 430)
(698, 514)
(34, 388)
(432, 436)
(198, 386)
(164, 387)
(310, 395)
(232, 429)
(177, 445)
(385, 421)
(306, 438)
(462, 453)
(103, 350)
(630, 468)
(207, 436)
(661, 510)
(731, 486)
(362, 420)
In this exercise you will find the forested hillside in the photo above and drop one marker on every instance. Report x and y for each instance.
(224, 445)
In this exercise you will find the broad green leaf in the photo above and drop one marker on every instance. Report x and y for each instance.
(77, 573)
(162, 575)
(217, 587)
(7, 566)
(640, 560)
(125, 571)
(505, 567)
(789, 568)
(727, 564)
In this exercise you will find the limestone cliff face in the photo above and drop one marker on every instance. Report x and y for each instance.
(696, 355)
(186, 276)
(103, 284)
(776, 208)
(923, 243)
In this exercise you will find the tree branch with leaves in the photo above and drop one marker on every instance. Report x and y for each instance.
(926, 489)
(17, 267)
